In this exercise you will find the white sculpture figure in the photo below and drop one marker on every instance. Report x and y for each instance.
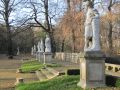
(92, 28)
(38, 47)
(47, 44)
(32, 51)
(18, 51)
(41, 46)
(34, 48)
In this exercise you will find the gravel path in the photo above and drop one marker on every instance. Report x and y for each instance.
(8, 73)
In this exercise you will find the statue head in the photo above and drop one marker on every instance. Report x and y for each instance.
(88, 4)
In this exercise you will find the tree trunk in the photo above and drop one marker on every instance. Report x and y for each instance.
(9, 42)
(68, 5)
(9, 37)
(62, 46)
(73, 40)
(110, 43)
(53, 44)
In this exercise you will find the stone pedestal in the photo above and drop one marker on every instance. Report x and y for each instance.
(92, 70)
(47, 57)
(40, 56)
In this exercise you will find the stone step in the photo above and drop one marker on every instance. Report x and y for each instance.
(41, 76)
(56, 73)
(47, 73)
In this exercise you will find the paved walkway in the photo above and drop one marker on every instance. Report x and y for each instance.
(8, 73)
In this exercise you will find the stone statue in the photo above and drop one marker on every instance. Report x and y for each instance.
(38, 47)
(47, 44)
(18, 51)
(41, 46)
(32, 51)
(92, 28)
(34, 48)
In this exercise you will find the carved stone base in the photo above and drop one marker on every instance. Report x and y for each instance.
(47, 57)
(40, 56)
(92, 70)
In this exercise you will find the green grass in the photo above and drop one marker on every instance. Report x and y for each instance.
(117, 84)
(53, 65)
(59, 83)
(34, 65)
(31, 66)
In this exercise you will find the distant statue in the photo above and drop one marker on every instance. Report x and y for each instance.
(18, 51)
(38, 47)
(92, 28)
(32, 51)
(41, 46)
(47, 44)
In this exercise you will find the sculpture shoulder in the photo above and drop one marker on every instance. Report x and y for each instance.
(95, 11)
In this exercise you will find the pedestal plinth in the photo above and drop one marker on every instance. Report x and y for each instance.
(92, 69)
(47, 57)
(40, 56)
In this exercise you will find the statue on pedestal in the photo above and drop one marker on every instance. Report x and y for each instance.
(92, 60)
(47, 44)
(92, 28)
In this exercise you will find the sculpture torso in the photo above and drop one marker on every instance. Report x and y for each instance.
(92, 30)
(38, 47)
(41, 46)
(47, 44)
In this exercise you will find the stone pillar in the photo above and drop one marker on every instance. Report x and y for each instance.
(92, 69)
(47, 57)
(41, 57)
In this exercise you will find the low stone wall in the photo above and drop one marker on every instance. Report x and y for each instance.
(75, 58)
(70, 57)
(112, 67)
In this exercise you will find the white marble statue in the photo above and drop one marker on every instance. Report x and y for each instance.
(34, 48)
(18, 51)
(38, 47)
(41, 46)
(92, 28)
(47, 44)
(32, 51)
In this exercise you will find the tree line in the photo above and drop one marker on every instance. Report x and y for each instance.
(62, 20)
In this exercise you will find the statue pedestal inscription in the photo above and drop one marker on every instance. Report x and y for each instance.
(92, 69)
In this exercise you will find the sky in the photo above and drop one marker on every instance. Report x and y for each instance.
(55, 7)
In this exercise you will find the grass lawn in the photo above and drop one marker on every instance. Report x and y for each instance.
(59, 83)
(32, 66)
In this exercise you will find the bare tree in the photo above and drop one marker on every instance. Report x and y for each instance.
(110, 18)
(47, 16)
(7, 9)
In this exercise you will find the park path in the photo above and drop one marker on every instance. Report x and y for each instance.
(8, 73)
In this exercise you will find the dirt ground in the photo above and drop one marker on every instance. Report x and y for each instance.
(8, 75)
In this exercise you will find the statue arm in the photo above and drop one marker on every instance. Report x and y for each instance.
(96, 14)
